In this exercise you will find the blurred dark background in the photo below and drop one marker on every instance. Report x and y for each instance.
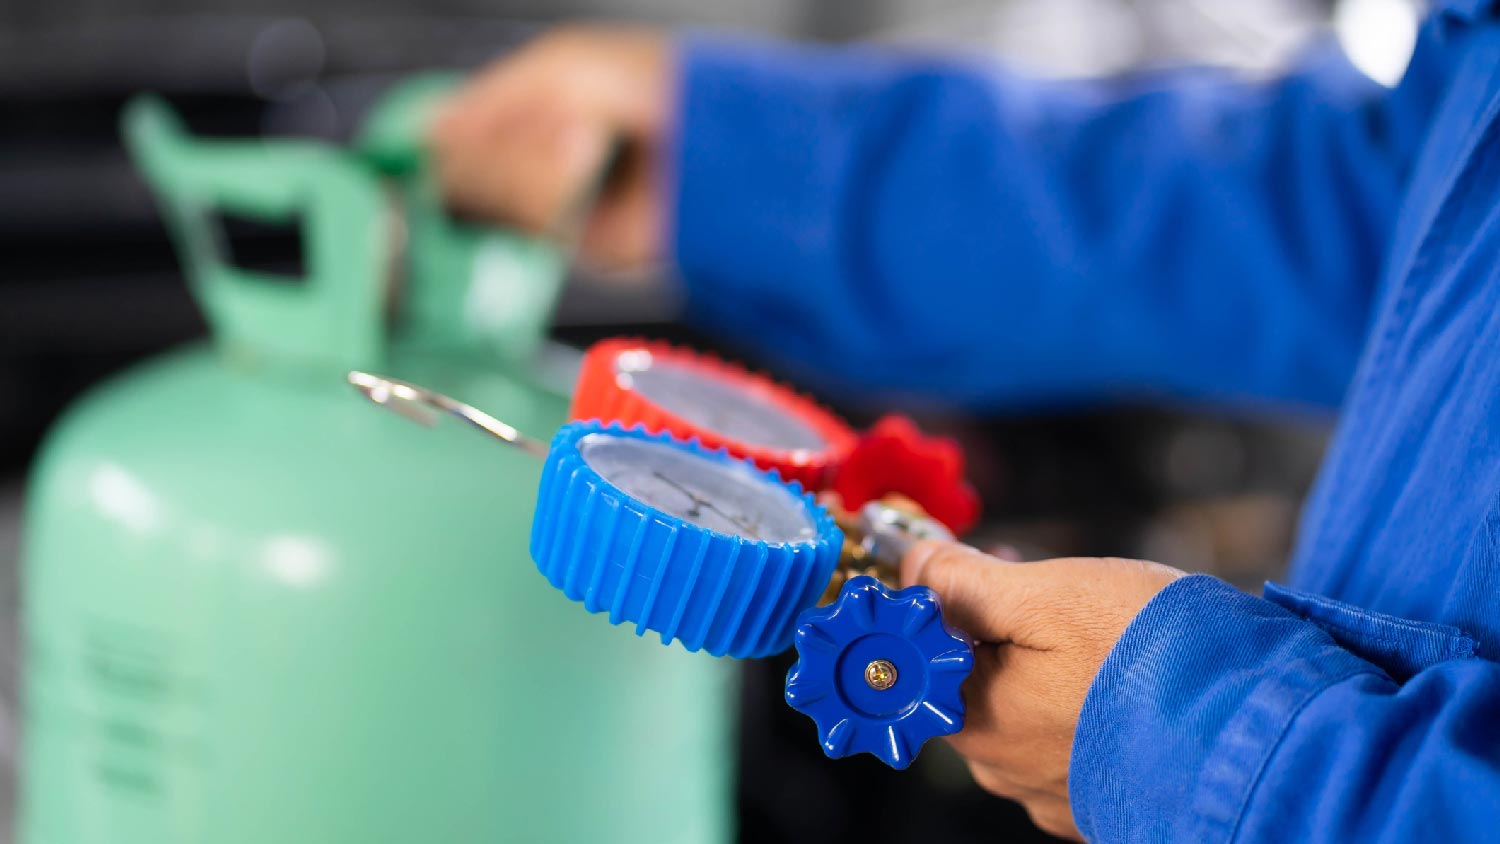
(88, 285)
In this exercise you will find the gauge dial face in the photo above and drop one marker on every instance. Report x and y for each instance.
(729, 498)
(729, 409)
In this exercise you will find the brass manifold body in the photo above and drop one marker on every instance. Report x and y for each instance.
(876, 537)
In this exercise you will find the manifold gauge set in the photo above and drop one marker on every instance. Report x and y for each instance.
(684, 499)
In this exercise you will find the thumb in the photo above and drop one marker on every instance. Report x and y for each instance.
(981, 595)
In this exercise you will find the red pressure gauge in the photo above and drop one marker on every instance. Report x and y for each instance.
(723, 405)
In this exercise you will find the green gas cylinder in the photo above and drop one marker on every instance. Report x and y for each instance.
(258, 611)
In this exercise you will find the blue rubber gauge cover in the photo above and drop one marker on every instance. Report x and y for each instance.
(688, 542)
(879, 671)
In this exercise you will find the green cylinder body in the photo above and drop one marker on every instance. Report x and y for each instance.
(259, 610)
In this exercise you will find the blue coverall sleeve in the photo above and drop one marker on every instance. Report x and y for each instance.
(1222, 717)
(882, 220)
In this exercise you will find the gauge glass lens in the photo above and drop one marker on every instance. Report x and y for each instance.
(729, 498)
(726, 408)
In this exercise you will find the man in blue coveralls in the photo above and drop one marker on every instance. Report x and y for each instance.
(929, 225)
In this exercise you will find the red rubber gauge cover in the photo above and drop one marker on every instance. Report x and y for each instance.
(665, 388)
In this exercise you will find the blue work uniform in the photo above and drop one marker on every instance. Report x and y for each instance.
(1315, 241)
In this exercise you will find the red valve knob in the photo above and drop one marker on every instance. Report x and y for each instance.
(896, 457)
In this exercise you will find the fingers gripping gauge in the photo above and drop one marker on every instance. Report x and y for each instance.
(705, 548)
(723, 405)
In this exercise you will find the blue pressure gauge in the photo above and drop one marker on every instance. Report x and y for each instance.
(690, 543)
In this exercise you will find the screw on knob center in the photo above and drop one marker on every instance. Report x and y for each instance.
(880, 674)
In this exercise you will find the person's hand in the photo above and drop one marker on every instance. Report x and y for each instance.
(1043, 630)
(526, 137)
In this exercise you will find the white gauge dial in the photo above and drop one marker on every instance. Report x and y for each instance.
(728, 409)
(729, 498)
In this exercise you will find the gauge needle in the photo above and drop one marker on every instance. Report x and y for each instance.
(703, 502)
(697, 502)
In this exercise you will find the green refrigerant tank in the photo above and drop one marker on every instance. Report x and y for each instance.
(258, 610)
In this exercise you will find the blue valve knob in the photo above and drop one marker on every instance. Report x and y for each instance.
(879, 671)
